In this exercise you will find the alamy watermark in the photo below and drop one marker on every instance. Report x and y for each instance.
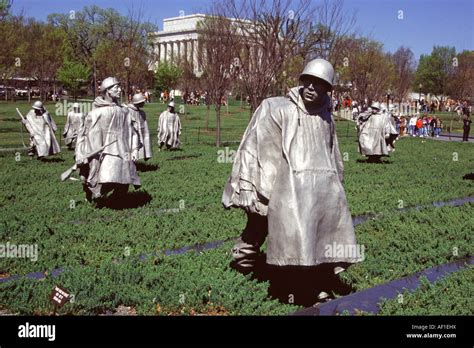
(64, 107)
(349, 251)
(26, 251)
(226, 155)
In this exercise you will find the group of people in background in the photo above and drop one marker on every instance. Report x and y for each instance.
(421, 126)
(408, 121)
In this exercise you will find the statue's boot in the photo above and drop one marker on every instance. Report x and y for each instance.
(246, 252)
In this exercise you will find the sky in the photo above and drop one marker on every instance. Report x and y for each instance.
(417, 24)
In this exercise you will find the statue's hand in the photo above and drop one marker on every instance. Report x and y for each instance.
(135, 155)
(247, 198)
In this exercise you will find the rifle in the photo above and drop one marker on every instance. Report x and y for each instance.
(27, 126)
(67, 173)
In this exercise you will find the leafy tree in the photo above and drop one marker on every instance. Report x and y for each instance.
(461, 85)
(40, 52)
(5, 7)
(73, 75)
(12, 49)
(167, 76)
(434, 71)
(108, 43)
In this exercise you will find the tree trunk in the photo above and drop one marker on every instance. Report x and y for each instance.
(207, 116)
(218, 125)
(254, 103)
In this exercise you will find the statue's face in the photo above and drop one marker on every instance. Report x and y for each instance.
(140, 105)
(114, 91)
(313, 89)
(38, 112)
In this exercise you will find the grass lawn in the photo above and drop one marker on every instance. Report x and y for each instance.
(101, 249)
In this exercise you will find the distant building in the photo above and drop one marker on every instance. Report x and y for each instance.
(177, 40)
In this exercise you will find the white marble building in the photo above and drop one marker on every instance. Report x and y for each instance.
(178, 39)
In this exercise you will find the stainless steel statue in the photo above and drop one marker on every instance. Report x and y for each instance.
(169, 128)
(287, 176)
(41, 127)
(73, 124)
(109, 126)
(139, 117)
(376, 133)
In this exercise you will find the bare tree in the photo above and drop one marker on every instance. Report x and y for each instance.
(270, 34)
(368, 68)
(404, 64)
(274, 33)
(217, 61)
(333, 24)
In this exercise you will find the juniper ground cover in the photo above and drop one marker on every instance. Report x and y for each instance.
(117, 255)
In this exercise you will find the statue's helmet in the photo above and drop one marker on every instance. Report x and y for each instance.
(375, 105)
(171, 104)
(138, 98)
(321, 69)
(75, 106)
(38, 105)
(108, 82)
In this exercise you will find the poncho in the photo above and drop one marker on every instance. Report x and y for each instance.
(43, 128)
(289, 161)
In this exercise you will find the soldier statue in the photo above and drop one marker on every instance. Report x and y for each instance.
(139, 118)
(107, 146)
(287, 176)
(377, 133)
(73, 124)
(41, 127)
(169, 128)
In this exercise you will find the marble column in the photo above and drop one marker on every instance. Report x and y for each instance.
(186, 51)
(192, 54)
(162, 52)
(195, 55)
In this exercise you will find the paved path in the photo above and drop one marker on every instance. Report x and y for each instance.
(453, 137)
(368, 300)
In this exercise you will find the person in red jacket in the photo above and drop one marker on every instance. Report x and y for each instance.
(419, 126)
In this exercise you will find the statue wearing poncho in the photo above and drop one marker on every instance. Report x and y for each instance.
(288, 169)
(377, 133)
(169, 128)
(72, 127)
(42, 140)
(114, 168)
(139, 118)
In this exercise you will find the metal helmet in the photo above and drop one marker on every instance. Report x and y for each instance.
(138, 98)
(375, 105)
(75, 106)
(108, 82)
(321, 69)
(171, 104)
(38, 105)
